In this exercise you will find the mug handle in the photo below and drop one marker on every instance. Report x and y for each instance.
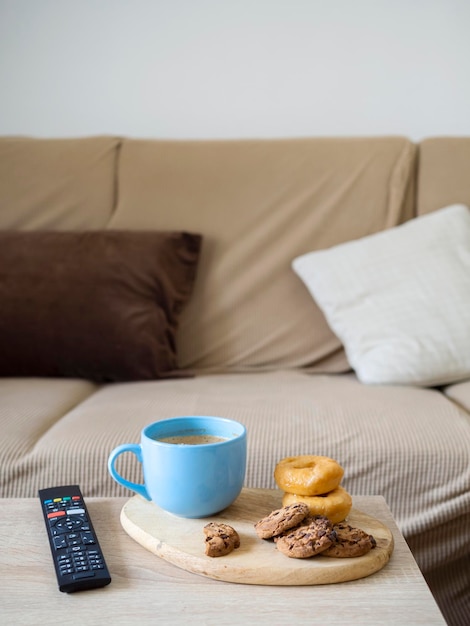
(136, 449)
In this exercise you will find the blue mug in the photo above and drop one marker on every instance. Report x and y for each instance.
(192, 466)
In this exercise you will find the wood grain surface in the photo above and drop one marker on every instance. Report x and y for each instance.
(181, 542)
(147, 590)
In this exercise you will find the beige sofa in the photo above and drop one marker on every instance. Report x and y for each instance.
(251, 342)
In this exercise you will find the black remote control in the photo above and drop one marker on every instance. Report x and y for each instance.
(78, 560)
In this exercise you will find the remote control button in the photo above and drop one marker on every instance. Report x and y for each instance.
(76, 511)
(83, 575)
(68, 525)
(64, 559)
(55, 514)
(88, 539)
(60, 542)
(75, 542)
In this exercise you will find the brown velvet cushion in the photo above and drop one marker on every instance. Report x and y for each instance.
(97, 305)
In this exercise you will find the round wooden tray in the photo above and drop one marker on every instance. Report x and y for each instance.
(256, 562)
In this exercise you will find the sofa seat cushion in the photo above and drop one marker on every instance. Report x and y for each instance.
(460, 394)
(411, 445)
(387, 437)
(29, 408)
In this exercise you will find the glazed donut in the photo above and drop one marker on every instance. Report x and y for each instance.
(308, 475)
(334, 505)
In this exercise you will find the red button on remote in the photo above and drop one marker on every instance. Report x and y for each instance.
(57, 514)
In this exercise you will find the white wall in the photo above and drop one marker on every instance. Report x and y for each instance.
(235, 68)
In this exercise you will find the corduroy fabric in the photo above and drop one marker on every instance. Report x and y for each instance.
(460, 394)
(29, 408)
(389, 439)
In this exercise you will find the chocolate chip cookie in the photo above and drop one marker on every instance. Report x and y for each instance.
(350, 542)
(313, 536)
(221, 539)
(281, 520)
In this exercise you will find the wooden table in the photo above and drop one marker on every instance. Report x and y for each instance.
(147, 590)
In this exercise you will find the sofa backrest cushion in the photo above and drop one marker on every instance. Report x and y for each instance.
(259, 204)
(443, 173)
(59, 184)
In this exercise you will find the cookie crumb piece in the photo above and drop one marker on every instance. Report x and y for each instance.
(221, 539)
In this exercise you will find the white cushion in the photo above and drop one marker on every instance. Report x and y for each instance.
(399, 300)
